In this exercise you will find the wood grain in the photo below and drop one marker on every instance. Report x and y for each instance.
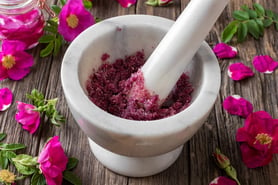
(195, 166)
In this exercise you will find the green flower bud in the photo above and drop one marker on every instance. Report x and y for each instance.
(222, 160)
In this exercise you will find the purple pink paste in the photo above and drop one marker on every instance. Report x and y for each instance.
(118, 88)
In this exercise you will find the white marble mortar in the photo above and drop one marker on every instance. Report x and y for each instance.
(128, 147)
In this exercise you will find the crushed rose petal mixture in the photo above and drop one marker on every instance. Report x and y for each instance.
(118, 88)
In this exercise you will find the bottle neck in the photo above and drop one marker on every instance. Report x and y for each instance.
(16, 7)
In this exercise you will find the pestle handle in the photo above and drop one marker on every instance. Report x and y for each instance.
(175, 51)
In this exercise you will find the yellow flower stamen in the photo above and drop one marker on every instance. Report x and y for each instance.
(264, 139)
(8, 61)
(72, 21)
(7, 176)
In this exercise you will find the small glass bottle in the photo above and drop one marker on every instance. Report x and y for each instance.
(21, 20)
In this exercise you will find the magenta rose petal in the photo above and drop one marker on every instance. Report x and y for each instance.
(221, 180)
(6, 98)
(264, 64)
(253, 158)
(126, 3)
(239, 71)
(223, 50)
(27, 116)
(237, 105)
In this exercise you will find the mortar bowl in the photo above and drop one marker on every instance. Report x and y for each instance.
(129, 147)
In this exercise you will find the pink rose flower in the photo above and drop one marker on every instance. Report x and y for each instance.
(53, 161)
(27, 117)
(239, 71)
(237, 105)
(73, 19)
(222, 181)
(6, 98)
(223, 50)
(258, 139)
(264, 64)
(126, 3)
(15, 63)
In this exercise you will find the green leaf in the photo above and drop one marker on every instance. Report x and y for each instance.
(47, 50)
(5, 156)
(11, 147)
(53, 22)
(25, 170)
(276, 26)
(97, 19)
(267, 22)
(253, 29)
(244, 7)
(36, 97)
(275, 18)
(252, 14)
(56, 9)
(9, 154)
(72, 163)
(259, 9)
(2, 136)
(87, 4)
(240, 15)
(269, 13)
(72, 178)
(57, 45)
(242, 32)
(50, 29)
(229, 31)
(38, 179)
(63, 2)
(4, 161)
(46, 38)
(261, 26)
(25, 160)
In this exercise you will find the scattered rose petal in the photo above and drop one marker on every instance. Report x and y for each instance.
(6, 98)
(126, 3)
(264, 64)
(222, 181)
(73, 19)
(258, 139)
(53, 161)
(239, 71)
(15, 63)
(223, 50)
(237, 105)
(27, 116)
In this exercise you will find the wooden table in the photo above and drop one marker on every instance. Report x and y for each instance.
(195, 166)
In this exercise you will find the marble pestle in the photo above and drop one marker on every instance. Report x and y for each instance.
(175, 51)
